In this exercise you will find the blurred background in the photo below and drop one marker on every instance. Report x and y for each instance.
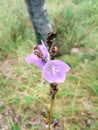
(24, 102)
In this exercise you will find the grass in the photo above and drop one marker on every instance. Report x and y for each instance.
(22, 88)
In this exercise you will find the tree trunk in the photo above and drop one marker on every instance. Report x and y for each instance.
(39, 18)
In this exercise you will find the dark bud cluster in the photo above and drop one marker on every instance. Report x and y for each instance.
(53, 89)
(51, 42)
(38, 52)
(51, 38)
(53, 50)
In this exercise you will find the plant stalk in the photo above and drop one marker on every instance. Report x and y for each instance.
(50, 114)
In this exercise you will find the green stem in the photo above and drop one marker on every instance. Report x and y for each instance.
(50, 114)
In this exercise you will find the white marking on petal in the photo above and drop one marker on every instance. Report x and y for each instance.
(54, 69)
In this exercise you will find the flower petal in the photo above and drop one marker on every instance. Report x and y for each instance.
(55, 71)
(40, 63)
(44, 51)
(33, 59)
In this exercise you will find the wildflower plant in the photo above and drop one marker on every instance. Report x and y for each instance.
(53, 70)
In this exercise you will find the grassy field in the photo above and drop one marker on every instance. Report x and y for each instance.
(24, 99)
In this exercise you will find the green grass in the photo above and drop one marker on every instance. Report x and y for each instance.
(22, 87)
(75, 23)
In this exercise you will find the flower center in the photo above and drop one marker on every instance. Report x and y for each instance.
(54, 69)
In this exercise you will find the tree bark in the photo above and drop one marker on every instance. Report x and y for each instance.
(39, 18)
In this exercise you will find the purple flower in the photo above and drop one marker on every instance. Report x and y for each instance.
(44, 51)
(40, 56)
(55, 71)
